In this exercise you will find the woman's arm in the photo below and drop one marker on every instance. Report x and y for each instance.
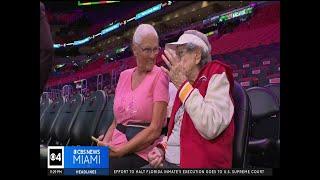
(148, 135)
(108, 135)
(211, 114)
(104, 139)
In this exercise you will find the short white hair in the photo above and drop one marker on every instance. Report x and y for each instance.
(142, 30)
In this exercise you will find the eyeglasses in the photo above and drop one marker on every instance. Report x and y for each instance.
(149, 50)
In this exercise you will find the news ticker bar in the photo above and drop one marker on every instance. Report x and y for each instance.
(161, 172)
(195, 172)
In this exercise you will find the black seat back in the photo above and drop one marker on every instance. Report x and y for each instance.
(275, 88)
(265, 134)
(106, 117)
(48, 119)
(65, 120)
(44, 104)
(265, 113)
(87, 119)
(241, 119)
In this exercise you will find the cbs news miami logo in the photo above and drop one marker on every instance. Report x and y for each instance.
(78, 160)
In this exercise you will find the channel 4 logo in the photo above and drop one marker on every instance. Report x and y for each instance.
(56, 157)
(79, 160)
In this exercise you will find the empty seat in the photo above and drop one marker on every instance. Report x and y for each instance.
(87, 119)
(44, 104)
(248, 64)
(265, 127)
(274, 78)
(249, 82)
(261, 73)
(238, 74)
(48, 119)
(107, 117)
(61, 131)
(261, 70)
(63, 123)
(242, 113)
(268, 62)
(276, 68)
(275, 88)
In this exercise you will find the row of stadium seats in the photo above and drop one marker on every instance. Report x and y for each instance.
(247, 39)
(258, 66)
(75, 121)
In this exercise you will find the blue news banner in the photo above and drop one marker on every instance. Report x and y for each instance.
(78, 160)
(94, 160)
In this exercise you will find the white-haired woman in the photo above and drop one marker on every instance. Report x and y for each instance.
(201, 128)
(140, 103)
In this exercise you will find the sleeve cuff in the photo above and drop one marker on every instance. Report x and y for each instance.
(163, 147)
(185, 91)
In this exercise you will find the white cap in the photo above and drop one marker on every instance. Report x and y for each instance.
(188, 38)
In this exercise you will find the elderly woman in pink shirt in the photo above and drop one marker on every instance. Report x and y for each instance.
(140, 104)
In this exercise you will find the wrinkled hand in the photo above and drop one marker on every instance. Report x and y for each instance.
(100, 142)
(100, 138)
(176, 71)
(113, 151)
(155, 158)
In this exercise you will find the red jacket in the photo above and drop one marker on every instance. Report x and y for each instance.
(196, 151)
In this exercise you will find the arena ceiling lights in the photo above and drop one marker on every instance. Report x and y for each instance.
(112, 26)
(95, 3)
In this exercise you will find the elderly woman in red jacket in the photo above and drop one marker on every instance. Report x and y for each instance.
(201, 128)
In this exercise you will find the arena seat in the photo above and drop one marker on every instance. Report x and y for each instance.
(242, 114)
(48, 119)
(265, 127)
(277, 68)
(275, 88)
(267, 62)
(87, 119)
(260, 72)
(249, 82)
(238, 74)
(107, 117)
(274, 78)
(248, 64)
(44, 104)
(61, 131)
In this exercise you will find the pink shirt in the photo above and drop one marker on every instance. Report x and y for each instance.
(136, 105)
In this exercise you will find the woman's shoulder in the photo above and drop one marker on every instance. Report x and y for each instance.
(158, 71)
(126, 72)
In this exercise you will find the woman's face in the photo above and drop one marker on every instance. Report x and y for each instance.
(188, 59)
(146, 52)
